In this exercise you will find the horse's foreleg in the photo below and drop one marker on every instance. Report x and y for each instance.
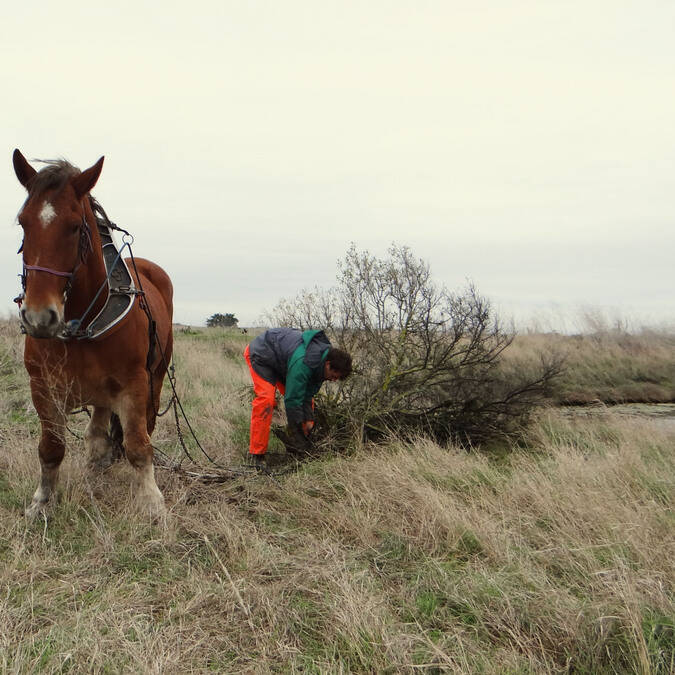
(96, 439)
(139, 453)
(51, 450)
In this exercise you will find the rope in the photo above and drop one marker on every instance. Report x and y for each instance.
(171, 376)
(175, 399)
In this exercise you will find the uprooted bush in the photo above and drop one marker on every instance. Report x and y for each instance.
(426, 361)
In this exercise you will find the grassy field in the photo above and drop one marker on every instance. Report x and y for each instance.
(555, 557)
(611, 366)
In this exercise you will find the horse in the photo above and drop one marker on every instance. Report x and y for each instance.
(118, 371)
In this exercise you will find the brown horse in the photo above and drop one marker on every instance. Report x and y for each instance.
(120, 371)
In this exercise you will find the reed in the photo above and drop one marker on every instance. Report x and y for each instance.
(608, 366)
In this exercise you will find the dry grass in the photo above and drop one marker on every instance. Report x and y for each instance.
(609, 366)
(558, 557)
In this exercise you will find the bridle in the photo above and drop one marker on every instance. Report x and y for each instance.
(84, 246)
(118, 284)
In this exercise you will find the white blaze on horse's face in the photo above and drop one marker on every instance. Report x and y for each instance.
(50, 243)
(47, 214)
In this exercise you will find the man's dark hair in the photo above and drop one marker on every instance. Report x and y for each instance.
(340, 361)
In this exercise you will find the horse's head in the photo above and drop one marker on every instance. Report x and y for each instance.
(56, 239)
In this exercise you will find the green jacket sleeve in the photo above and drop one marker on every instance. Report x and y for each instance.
(297, 388)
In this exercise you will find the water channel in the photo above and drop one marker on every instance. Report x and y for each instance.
(663, 413)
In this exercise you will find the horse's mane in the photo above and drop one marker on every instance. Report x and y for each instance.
(53, 176)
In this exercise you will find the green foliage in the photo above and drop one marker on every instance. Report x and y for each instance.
(659, 635)
(222, 320)
(9, 499)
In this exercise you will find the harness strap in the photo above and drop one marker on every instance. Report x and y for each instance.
(118, 283)
(37, 268)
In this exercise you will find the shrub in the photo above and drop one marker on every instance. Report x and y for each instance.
(223, 320)
(426, 360)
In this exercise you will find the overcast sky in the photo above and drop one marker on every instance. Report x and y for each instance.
(528, 146)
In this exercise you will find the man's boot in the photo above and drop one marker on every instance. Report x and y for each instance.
(256, 461)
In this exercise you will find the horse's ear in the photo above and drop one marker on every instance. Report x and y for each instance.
(24, 171)
(87, 179)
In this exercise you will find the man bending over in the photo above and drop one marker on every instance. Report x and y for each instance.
(296, 363)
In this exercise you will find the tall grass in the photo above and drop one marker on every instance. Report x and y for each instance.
(611, 366)
(408, 557)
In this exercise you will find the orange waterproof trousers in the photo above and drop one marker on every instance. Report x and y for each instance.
(262, 409)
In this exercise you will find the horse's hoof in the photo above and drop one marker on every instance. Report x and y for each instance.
(35, 509)
(158, 516)
(160, 520)
(154, 507)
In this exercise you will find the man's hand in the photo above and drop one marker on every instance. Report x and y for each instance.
(298, 440)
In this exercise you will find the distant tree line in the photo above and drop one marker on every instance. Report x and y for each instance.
(222, 320)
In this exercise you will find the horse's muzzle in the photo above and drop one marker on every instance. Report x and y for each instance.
(45, 323)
